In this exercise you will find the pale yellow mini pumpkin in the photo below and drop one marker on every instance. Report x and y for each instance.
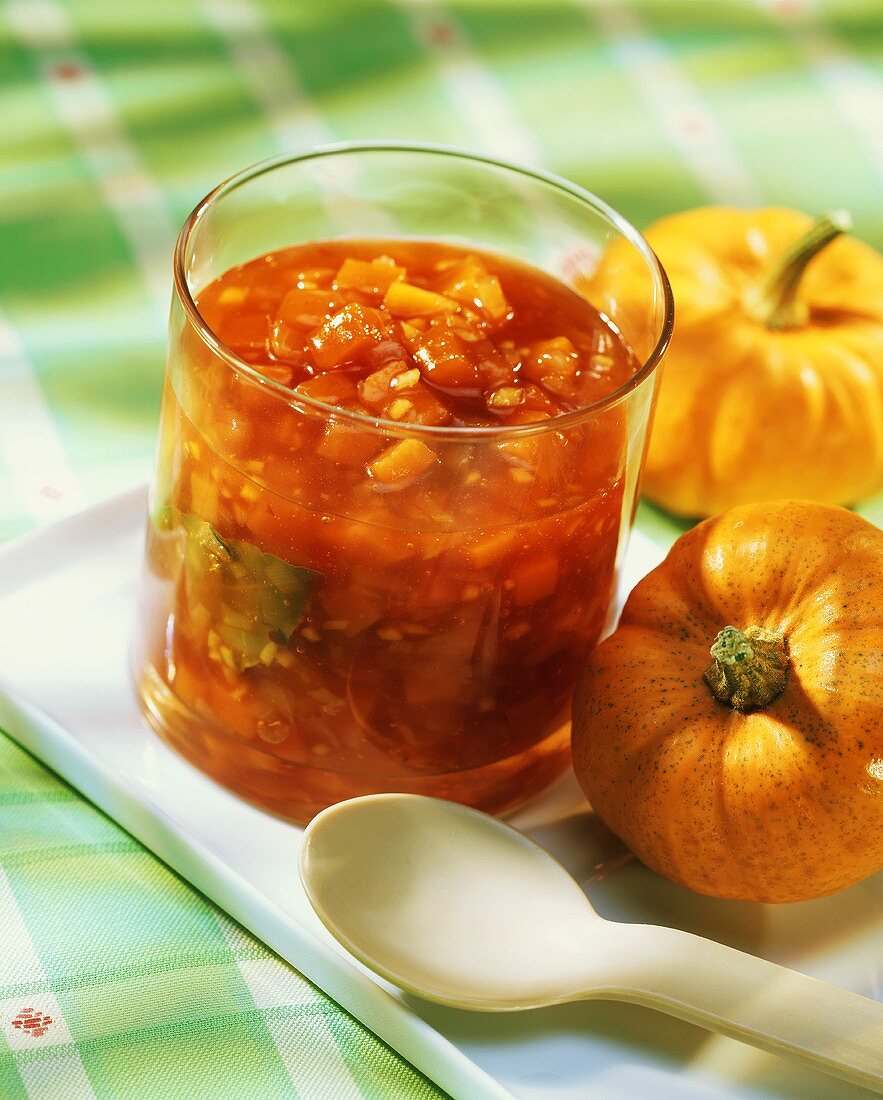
(773, 384)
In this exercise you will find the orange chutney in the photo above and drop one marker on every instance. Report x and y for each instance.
(394, 589)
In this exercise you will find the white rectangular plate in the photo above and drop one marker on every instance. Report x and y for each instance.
(66, 600)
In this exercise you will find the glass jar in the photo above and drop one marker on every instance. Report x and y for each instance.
(301, 641)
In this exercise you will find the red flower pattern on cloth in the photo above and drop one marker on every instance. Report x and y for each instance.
(67, 70)
(32, 1021)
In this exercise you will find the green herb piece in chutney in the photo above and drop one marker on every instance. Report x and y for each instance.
(258, 597)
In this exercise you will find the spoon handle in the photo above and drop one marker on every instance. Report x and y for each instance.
(751, 999)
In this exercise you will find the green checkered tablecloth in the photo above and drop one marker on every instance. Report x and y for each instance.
(117, 979)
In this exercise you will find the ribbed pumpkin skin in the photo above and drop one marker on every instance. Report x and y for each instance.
(780, 804)
(746, 413)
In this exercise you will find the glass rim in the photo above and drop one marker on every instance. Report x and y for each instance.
(488, 433)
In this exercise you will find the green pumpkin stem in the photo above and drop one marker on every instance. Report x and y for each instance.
(748, 668)
(774, 302)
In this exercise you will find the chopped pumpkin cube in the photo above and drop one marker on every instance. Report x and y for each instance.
(523, 452)
(333, 388)
(346, 445)
(423, 407)
(538, 401)
(307, 309)
(287, 342)
(446, 360)
(406, 380)
(468, 326)
(203, 494)
(375, 389)
(406, 300)
(370, 277)
(553, 363)
(459, 275)
(470, 283)
(411, 329)
(505, 399)
(490, 300)
(494, 368)
(232, 295)
(403, 396)
(392, 350)
(351, 332)
(402, 463)
(487, 551)
(535, 579)
(278, 371)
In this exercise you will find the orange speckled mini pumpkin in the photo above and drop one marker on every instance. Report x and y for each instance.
(748, 762)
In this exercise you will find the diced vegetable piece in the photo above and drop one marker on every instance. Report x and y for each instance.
(375, 390)
(279, 371)
(535, 399)
(446, 360)
(487, 551)
(470, 283)
(423, 407)
(523, 453)
(406, 300)
(308, 309)
(390, 351)
(520, 452)
(489, 298)
(347, 445)
(406, 380)
(468, 327)
(535, 579)
(370, 277)
(333, 388)
(458, 276)
(287, 343)
(494, 368)
(232, 295)
(402, 463)
(203, 494)
(349, 333)
(401, 394)
(554, 363)
(505, 399)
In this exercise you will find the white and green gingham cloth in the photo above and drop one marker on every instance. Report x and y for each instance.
(117, 980)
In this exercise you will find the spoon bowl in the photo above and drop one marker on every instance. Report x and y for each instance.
(455, 910)
(459, 908)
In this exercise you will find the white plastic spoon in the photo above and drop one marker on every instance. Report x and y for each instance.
(457, 907)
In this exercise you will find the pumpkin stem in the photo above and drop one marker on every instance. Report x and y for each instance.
(774, 301)
(748, 668)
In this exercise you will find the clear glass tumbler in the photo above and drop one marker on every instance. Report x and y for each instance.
(302, 642)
